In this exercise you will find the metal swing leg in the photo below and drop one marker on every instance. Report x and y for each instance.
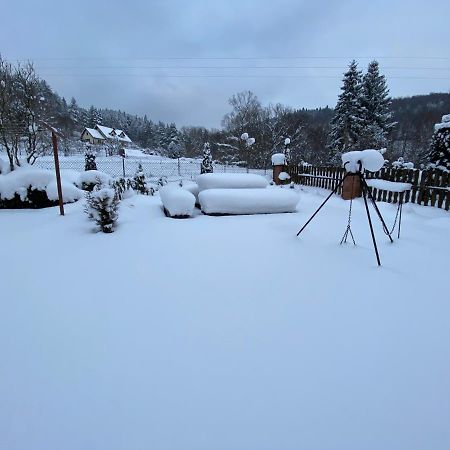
(400, 215)
(366, 188)
(323, 204)
(371, 227)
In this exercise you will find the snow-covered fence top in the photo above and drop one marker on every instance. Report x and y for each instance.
(428, 187)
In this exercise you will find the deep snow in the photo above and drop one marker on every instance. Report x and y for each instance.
(224, 332)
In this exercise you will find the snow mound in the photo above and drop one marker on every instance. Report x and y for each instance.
(371, 160)
(70, 192)
(284, 176)
(248, 201)
(230, 181)
(191, 186)
(20, 179)
(391, 186)
(177, 202)
(92, 176)
(278, 159)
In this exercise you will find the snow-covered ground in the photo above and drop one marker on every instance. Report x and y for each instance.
(224, 332)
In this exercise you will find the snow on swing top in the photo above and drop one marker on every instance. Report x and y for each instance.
(370, 160)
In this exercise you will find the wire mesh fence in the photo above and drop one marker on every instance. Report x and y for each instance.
(153, 167)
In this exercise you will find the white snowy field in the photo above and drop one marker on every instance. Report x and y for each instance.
(224, 332)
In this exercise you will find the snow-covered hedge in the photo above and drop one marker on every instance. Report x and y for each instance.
(248, 201)
(230, 181)
(29, 187)
(192, 187)
(177, 202)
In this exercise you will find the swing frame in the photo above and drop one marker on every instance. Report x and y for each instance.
(366, 193)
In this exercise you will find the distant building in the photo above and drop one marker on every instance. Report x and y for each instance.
(101, 134)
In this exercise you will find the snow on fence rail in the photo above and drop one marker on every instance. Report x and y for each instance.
(429, 187)
(154, 167)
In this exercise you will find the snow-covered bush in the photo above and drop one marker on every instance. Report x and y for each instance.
(139, 184)
(29, 187)
(122, 186)
(230, 181)
(89, 159)
(177, 202)
(207, 163)
(402, 164)
(162, 182)
(91, 178)
(248, 201)
(102, 205)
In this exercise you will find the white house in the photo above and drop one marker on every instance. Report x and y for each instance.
(101, 134)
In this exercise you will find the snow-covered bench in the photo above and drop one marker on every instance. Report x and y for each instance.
(230, 181)
(248, 201)
(177, 202)
(385, 185)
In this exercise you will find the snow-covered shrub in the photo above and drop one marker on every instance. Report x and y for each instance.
(91, 178)
(121, 186)
(177, 202)
(248, 201)
(162, 182)
(89, 159)
(102, 205)
(207, 163)
(29, 187)
(139, 184)
(230, 181)
(402, 164)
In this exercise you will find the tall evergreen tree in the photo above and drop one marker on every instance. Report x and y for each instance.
(439, 154)
(207, 163)
(348, 120)
(376, 109)
(74, 111)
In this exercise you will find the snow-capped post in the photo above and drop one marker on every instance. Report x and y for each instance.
(122, 154)
(57, 171)
(278, 162)
(249, 141)
(287, 150)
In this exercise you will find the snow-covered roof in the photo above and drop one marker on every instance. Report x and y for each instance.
(94, 133)
(111, 133)
(106, 131)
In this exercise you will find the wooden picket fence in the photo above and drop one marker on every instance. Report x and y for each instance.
(429, 187)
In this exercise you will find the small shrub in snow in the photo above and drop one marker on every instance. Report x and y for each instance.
(121, 186)
(139, 183)
(162, 182)
(207, 164)
(102, 206)
(402, 164)
(89, 160)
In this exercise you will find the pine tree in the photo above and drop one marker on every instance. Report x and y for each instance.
(376, 109)
(74, 111)
(89, 159)
(207, 163)
(439, 153)
(102, 206)
(92, 117)
(347, 123)
(139, 183)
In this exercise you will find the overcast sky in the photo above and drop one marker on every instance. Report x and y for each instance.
(109, 53)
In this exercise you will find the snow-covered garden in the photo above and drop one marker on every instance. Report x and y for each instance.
(224, 332)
